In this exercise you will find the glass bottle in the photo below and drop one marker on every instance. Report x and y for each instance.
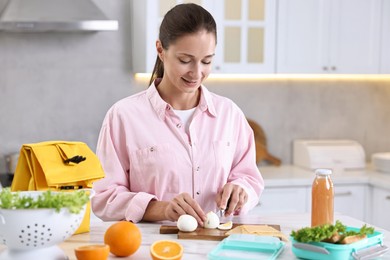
(322, 198)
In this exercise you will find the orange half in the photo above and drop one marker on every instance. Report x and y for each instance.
(92, 252)
(166, 250)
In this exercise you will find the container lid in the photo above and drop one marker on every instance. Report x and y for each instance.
(323, 172)
(247, 246)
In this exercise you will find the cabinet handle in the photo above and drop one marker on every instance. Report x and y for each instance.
(388, 197)
(347, 193)
(333, 68)
(325, 68)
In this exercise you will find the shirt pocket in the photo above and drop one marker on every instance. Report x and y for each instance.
(223, 154)
(153, 170)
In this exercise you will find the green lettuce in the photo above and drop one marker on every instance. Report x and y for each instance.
(323, 232)
(73, 201)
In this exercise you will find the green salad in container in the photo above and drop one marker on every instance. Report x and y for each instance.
(335, 234)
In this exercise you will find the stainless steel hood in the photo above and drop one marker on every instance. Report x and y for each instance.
(53, 15)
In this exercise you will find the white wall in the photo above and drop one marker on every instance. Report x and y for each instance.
(60, 85)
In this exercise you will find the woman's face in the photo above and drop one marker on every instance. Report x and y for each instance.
(187, 62)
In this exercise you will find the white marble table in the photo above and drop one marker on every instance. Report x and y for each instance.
(198, 249)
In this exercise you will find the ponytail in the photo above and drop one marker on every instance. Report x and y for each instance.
(158, 70)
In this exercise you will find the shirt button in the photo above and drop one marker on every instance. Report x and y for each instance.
(151, 149)
(178, 125)
(198, 193)
(197, 168)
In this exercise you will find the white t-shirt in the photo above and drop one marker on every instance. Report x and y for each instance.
(185, 116)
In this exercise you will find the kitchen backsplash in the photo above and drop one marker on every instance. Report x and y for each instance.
(60, 85)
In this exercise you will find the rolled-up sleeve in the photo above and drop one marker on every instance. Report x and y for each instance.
(245, 172)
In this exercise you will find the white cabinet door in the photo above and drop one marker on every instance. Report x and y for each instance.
(282, 200)
(245, 31)
(302, 36)
(355, 36)
(328, 36)
(351, 200)
(381, 208)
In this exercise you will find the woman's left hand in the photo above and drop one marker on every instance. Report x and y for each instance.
(231, 198)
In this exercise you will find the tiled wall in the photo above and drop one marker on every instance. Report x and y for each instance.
(60, 85)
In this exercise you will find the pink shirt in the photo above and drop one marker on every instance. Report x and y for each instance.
(146, 154)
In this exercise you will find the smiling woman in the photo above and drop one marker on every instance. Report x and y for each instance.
(177, 148)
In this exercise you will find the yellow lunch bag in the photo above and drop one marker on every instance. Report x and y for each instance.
(58, 165)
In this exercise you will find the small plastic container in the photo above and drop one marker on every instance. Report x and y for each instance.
(246, 246)
(367, 248)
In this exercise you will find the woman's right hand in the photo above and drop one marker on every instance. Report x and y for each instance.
(184, 204)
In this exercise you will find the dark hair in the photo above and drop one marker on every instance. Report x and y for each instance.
(181, 20)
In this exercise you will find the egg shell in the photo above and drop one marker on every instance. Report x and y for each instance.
(187, 223)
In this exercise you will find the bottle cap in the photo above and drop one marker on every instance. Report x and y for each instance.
(323, 171)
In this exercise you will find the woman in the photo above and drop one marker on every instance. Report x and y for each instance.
(177, 148)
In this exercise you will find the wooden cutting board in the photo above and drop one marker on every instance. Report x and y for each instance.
(202, 233)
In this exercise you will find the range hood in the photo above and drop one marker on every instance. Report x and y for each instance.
(53, 15)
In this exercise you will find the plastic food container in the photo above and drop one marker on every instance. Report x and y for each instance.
(246, 246)
(367, 248)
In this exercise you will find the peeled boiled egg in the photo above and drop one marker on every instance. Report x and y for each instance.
(187, 223)
(212, 220)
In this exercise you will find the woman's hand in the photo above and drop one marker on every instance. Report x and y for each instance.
(231, 198)
(184, 204)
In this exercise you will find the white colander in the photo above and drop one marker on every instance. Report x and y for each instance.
(28, 229)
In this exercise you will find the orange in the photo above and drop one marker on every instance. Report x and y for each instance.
(123, 237)
(166, 250)
(92, 252)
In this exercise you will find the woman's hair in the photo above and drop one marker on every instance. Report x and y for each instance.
(183, 19)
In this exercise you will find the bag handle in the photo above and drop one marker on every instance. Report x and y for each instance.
(75, 159)
(70, 154)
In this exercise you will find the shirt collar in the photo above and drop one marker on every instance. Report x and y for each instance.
(159, 105)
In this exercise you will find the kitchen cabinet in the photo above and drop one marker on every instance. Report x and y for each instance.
(245, 29)
(246, 36)
(381, 207)
(348, 199)
(385, 37)
(351, 200)
(282, 200)
(328, 36)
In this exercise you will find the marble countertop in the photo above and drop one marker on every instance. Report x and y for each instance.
(198, 249)
(290, 175)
